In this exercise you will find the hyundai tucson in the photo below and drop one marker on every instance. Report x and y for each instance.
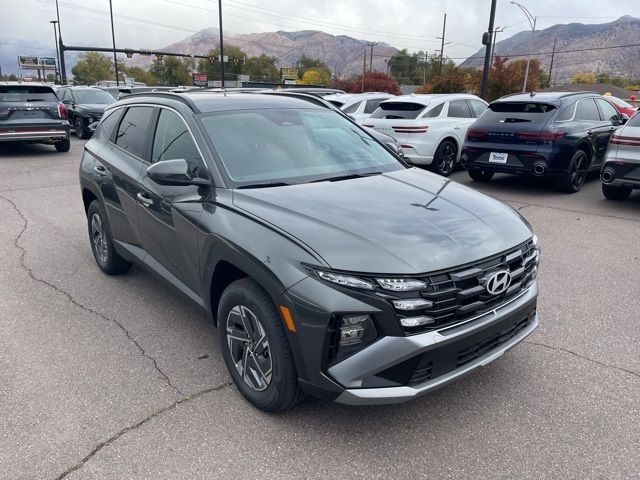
(330, 267)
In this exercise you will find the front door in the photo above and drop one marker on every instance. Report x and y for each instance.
(169, 214)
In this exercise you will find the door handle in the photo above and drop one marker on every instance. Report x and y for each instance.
(100, 170)
(590, 132)
(144, 200)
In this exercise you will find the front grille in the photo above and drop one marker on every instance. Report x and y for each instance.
(460, 294)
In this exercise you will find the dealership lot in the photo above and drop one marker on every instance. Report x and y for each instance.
(118, 377)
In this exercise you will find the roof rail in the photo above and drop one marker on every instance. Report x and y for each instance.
(166, 95)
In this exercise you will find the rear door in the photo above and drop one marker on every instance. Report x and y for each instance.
(460, 116)
(120, 164)
(168, 214)
(28, 107)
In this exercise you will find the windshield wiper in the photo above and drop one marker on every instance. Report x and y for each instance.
(265, 185)
(346, 176)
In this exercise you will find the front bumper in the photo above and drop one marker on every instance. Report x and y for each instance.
(487, 336)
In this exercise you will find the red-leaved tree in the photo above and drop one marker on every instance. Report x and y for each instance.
(373, 82)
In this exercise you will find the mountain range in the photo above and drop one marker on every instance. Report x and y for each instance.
(578, 48)
(343, 54)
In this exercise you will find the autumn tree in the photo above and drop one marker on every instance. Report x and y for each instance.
(93, 67)
(373, 82)
(584, 77)
(307, 63)
(507, 77)
(316, 76)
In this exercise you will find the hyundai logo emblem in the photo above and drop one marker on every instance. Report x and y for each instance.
(498, 282)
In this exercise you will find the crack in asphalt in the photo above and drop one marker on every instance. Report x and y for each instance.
(72, 300)
(135, 426)
(575, 354)
(569, 210)
(9, 189)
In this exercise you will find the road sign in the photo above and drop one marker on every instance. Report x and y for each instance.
(129, 81)
(289, 73)
(200, 80)
(49, 63)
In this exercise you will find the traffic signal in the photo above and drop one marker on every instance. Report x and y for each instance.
(212, 59)
(486, 38)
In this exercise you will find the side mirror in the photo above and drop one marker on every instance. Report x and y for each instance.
(174, 172)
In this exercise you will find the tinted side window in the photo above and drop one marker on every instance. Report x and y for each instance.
(398, 110)
(352, 108)
(477, 107)
(108, 124)
(566, 113)
(132, 133)
(371, 105)
(173, 141)
(609, 113)
(434, 112)
(587, 110)
(459, 109)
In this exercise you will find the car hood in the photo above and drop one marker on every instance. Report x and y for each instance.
(405, 222)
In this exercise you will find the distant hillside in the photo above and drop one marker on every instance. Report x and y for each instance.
(573, 36)
(341, 53)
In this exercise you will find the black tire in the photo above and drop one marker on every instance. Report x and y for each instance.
(480, 175)
(107, 258)
(444, 160)
(81, 129)
(63, 145)
(573, 180)
(281, 392)
(615, 193)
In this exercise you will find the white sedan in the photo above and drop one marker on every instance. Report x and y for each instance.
(430, 128)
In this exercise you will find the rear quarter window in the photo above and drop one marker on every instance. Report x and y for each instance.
(634, 121)
(399, 110)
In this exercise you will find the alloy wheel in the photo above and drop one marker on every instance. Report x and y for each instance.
(446, 160)
(79, 127)
(579, 173)
(249, 347)
(98, 238)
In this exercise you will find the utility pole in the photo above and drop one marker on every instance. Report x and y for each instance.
(364, 69)
(487, 51)
(371, 44)
(63, 70)
(444, 26)
(553, 54)
(113, 38)
(221, 44)
(55, 36)
(532, 22)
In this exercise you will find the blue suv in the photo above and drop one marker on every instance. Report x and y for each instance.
(563, 135)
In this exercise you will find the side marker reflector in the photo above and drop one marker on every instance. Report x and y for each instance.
(288, 319)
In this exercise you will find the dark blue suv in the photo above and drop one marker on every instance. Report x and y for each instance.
(557, 134)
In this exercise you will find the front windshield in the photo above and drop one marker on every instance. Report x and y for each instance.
(93, 96)
(293, 146)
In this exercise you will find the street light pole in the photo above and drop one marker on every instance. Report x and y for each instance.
(63, 70)
(532, 22)
(493, 42)
(221, 44)
(113, 38)
(55, 36)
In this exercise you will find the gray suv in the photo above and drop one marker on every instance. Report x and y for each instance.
(329, 266)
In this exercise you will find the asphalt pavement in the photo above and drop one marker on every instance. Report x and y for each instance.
(120, 378)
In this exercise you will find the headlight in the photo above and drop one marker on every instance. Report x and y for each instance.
(401, 284)
(344, 280)
(354, 333)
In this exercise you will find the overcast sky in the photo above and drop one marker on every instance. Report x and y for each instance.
(411, 24)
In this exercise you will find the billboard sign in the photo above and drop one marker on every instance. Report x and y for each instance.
(200, 80)
(289, 73)
(27, 62)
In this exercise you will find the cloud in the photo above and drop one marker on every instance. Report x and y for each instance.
(411, 24)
